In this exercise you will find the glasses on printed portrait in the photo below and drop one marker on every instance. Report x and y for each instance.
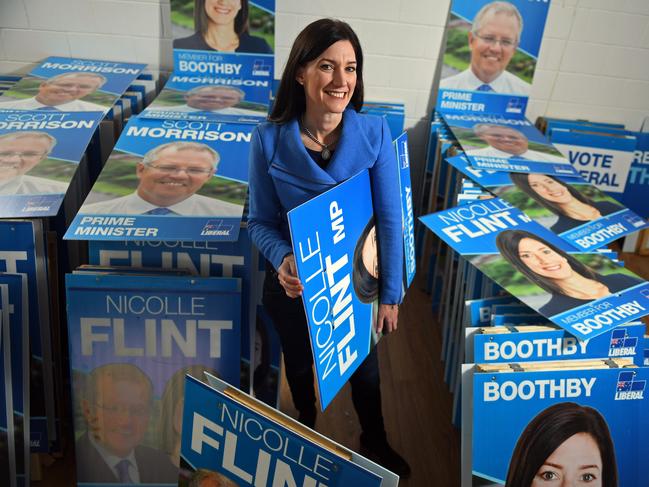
(190, 171)
(493, 41)
(115, 410)
(6, 156)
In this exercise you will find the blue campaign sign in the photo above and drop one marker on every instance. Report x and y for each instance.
(250, 56)
(206, 259)
(568, 206)
(21, 252)
(15, 333)
(132, 340)
(637, 183)
(407, 215)
(585, 294)
(7, 442)
(524, 423)
(506, 144)
(236, 440)
(71, 85)
(169, 180)
(490, 56)
(601, 159)
(479, 310)
(518, 320)
(210, 98)
(334, 244)
(533, 346)
(40, 153)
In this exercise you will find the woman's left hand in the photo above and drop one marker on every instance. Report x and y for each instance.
(387, 317)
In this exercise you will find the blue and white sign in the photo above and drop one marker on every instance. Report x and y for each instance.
(169, 180)
(39, 155)
(191, 96)
(226, 46)
(637, 183)
(132, 341)
(478, 311)
(568, 206)
(586, 294)
(490, 57)
(576, 425)
(21, 252)
(601, 159)
(407, 215)
(62, 84)
(333, 237)
(232, 439)
(534, 346)
(507, 144)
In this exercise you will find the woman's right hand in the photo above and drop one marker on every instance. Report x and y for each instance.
(287, 275)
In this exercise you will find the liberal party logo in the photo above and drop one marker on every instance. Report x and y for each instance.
(514, 105)
(628, 388)
(216, 227)
(622, 345)
(634, 220)
(260, 68)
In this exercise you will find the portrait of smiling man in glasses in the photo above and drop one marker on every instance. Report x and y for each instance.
(20, 152)
(116, 404)
(63, 92)
(508, 143)
(493, 40)
(169, 177)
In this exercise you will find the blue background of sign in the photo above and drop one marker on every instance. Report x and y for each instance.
(209, 403)
(498, 424)
(354, 197)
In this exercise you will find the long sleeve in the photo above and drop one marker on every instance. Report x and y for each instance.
(265, 210)
(384, 178)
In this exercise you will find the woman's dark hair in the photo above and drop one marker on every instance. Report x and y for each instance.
(507, 243)
(201, 20)
(366, 286)
(548, 430)
(263, 367)
(522, 181)
(316, 38)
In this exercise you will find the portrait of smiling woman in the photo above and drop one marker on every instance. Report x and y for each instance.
(566, 202)
(564, 445)
(569, 282)
(314, 140)
(222, 25)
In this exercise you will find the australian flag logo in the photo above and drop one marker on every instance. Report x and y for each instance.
(621, 344)
(628, 387)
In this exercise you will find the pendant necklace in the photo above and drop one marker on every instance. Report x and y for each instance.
(326, 152)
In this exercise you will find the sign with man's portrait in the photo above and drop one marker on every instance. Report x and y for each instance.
(71, 85)
(169, 180)
(491, 53)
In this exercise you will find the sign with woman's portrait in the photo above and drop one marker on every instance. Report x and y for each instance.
(584, 293)
(568, 206)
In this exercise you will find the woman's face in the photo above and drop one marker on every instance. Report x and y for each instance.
(549, 189)
(330, 79)
(542, 260)
(222, 12)
(370, 254)
(576, 462)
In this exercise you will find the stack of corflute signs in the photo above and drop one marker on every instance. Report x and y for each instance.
(57, 124)
(172, 291)
(542, 343)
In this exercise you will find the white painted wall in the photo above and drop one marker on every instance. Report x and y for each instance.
(594, 62)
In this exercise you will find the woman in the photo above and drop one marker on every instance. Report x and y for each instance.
(222, 25)
(570, 282)
(366, 265)
(572, 207)
(315, 139)
(566, 444)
